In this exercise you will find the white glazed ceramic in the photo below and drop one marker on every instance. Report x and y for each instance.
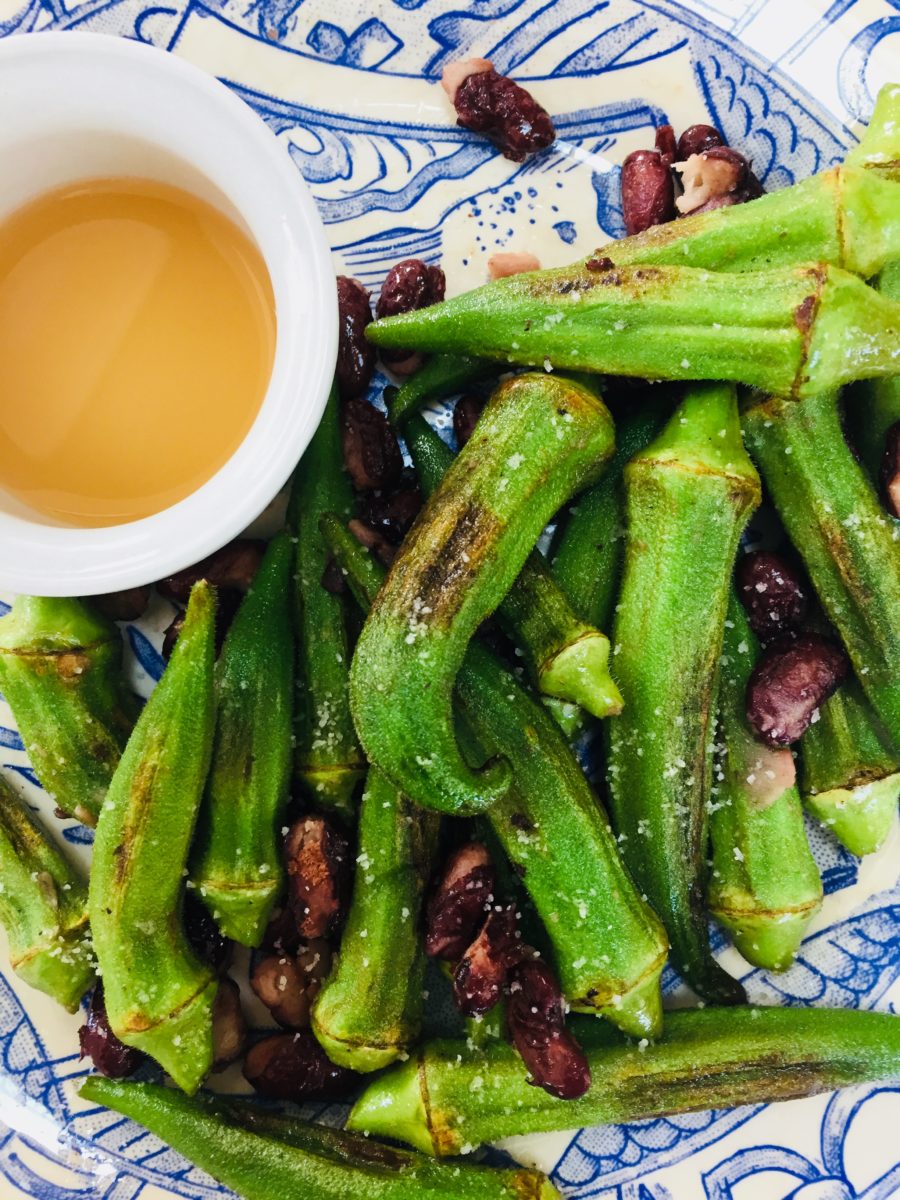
(77, 106)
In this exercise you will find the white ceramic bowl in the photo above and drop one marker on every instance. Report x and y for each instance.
(73, 106)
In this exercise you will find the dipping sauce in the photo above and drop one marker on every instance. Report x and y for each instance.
(137, 332)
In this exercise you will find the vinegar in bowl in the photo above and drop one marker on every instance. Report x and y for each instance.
(137, 334)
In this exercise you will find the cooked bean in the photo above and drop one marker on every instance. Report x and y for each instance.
(409, 285)
(229, 1025)
(391, 512)
(664, 142)
(356, 354)
(371, 453)
(506, 113)
(789, 684)
(373, 540)
(288, 985)
(696, 139)
(466, 412)
(890, 470)
(318, 867)
(233, 566)
(536, 1018)
(293, 1066)
(98, 1042)
(480, 976)
(126, 605)
(774, 593)
(458, 904)
(204, 935)
(648, 191)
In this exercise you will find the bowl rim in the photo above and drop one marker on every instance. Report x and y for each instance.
(57, 560)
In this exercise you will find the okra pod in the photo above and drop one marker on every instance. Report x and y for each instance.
(328, 760)
(541, 439)
(61, 672)
(833, 517)
(586, 558)
(688, 496)
(568, 659)
(369, 1011)
(793, 331)
(43, 906)
(236, 861)
(263, 1155)
(159, 996)
(879, 146)
(874, 405)
(764, 886)
(443, 375)
(850, 775)
(608, 946)
(706, 1058)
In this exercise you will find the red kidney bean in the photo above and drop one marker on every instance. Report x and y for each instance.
(110, 1057)
(229, 1028)
(293, 1066)
(234, 566)
(648, 191)
(536, 1019)
(788, 685)
(371, 453)
(481, 973)
(287, 986)
(282, 936)
(696, 139)
(383, 550)
(123, 606)
(409, 285)
(333, 579)
(206, 939)
(356, 354)
(456, 908)
(466, 412)
(170, 637)
(391, 512)
(890, 470)
(506, 113)
(665, 144)
(317, 856)
(716, 178)
(774, 593)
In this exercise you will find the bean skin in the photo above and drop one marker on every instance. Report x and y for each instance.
(458, 904)
(648, 191)
(789, 684)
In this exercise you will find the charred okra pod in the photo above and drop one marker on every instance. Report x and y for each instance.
(43, 907)
(369, 1011)
(328, 760)
(833, 517)
(688, 495)
(587, 554)
(441, 376)
(263, 1155)
(159, 996)
(608, 946)
(236, 863)
(794, 331)
(568, 659)
(764, 886)
(61, 672)
(850, 775)
(706, 1058)
(547, 438)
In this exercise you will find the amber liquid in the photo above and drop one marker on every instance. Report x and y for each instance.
(137, 331)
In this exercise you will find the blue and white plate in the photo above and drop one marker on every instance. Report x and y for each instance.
(350, 89)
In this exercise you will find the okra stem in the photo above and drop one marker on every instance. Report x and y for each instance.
(266, 1156)
(608, 946)
(328, 760)
(159, 996)
(61, 672)
(237, 865)
(764, 885)
(706, 1058)
(847, 542)
(850, 775)
(43, 906)
(879, 146)
(369, 1011)
(689, 494)
(540, 440)
(443, 375)
(567, 657)
(586, 559)
(793, 331)
(874, 405)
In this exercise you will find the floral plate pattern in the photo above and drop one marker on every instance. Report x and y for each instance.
(350, 89)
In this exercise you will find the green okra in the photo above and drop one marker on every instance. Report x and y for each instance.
(586, 558)
(850, 774)
(764, 886)
(442, 375)
(43, 906)
(61, 672)
(159, 996)
(328, 760)
(568, 659)
(540, 440)
(688, 496)
(705, 1058)
(236, 861)
(874, 405)
(264, 1155)
(832, 516)
(792, 331)
(608, 946)
(879, 146)
(369, 1011)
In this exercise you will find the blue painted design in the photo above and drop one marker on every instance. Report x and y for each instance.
(10, 739)
(25, 772)
(566, 231)
(146, 653)
(78, 835)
